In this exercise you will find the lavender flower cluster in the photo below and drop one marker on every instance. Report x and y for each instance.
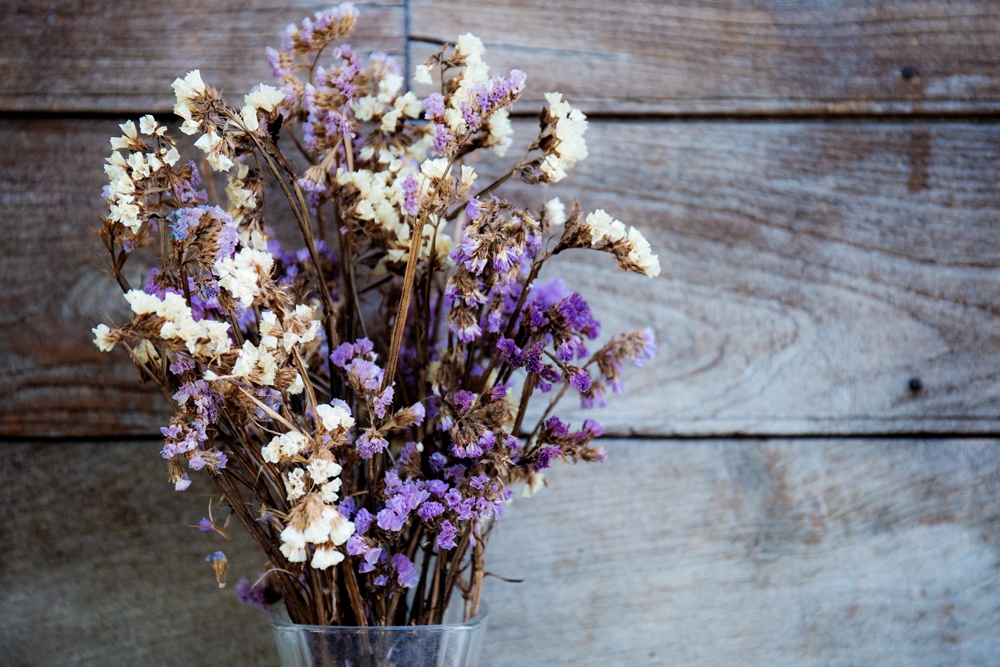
(360, 403)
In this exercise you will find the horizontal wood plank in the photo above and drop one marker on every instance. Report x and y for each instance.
(733, 57)
(791, 552)
(810, 270)
(120, 56)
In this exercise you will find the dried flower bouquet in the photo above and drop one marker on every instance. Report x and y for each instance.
(360, 403)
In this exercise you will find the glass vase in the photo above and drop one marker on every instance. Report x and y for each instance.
(448, 645)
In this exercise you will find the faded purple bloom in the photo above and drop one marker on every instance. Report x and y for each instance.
(446, 536)
(438, 461)
(410, 453)
(410, 197)
(371, 443)
(580, 380)
(248, 593)
(346, 507)
(182, 364)
(434, 105)
(463, 400)
(472, 208)
(593, 397)
(406, 574)
(383, 402)
(362, 521)
(356, 545)
(592, 428)
(366, 374)
(342, 355)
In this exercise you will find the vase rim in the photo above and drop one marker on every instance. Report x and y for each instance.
(279, 618)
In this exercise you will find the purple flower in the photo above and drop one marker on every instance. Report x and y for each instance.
(362, 521)
(342, 355)
(371, 443)
(410, 453)
(346, 507)
(205, 525)
(389, 520)
(366, 374)
(463, 400)
(446, 536)
(410, 198)
(479, 481)
(248, 593)
(543, 459)
(472, 208)
(356, 545)
(384, 401)
(434, 105)
(437, 487)
(592, 428)
(406, 574)
(430, 510)
(438, 461)
(580, 380)
(593, 397)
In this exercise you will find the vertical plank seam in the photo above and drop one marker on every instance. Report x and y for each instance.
(407, 23)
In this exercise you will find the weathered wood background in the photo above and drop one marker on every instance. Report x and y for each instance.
(821, 180)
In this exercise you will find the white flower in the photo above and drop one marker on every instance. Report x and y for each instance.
(423, 74)
(366, 108)
(295, 484)
(102, 338)
(501, 132)
(142, 303)
(172, 157)
(145, 351)
(552, 167)
(641, 253)
(297, 386)
(604, 227)
(535, 484)
(409, 104)
(340, 528)
(249, 116)
(334, 417)
(328, 492)
(390, 120)
(293, 554)
(324, 557)
(190, 87)
(247, 361)
(287, 445)
(388, 87)
(317, 531)
(468, 176)
(149, 126)
(434, 168)
(266, 98)
(555, 212)
(470, 46)
(323, 469)
(240, 274)
(272, 450)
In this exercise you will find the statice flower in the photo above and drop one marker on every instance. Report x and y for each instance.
(366, 403)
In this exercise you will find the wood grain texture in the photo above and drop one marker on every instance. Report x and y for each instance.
(793, 552)
(810, 270)
(117, 56)
(735, 57)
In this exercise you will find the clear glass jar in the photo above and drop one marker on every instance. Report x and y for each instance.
(449, 645)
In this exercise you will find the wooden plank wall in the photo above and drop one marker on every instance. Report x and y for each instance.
(820, 180)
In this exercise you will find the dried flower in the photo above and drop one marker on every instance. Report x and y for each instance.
(377, 368)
